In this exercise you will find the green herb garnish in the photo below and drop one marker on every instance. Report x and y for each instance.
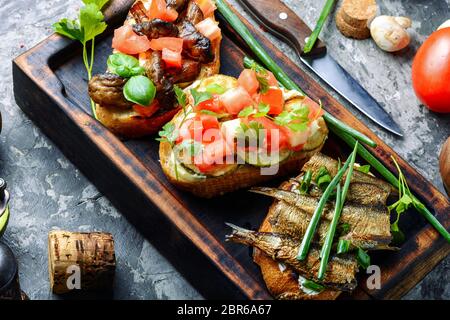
(363, 258)
(263, 110)
(168, 133)
(343, 246)
(250, 132)
(214, 114)
(246, 112)
(215, 89)
(311, 285)
(323, 178)
(181, 96)
(364, 169)
(306, 181)
(295, 119)
(200, 96)
(90, 23)
(124, 65)
(191, 147)
(140, 90)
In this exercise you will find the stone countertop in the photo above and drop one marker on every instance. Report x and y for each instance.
(48, 192)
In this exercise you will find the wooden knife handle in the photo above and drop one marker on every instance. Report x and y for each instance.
(283, 23)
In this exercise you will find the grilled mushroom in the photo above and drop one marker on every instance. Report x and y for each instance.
(107, 90)
(195, 45)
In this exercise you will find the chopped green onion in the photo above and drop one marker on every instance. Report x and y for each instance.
(323, 178)
(290, 85)
(343, 246)
(340, 200)
(311, 285)
(363, 258)
(311, 229)
(315, 34)
(306, 181)
(364, 169)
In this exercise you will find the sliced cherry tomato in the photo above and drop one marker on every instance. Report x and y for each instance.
(171, 43)
(236, 99)
(127, 41)
(206, 6)
(158, 10)
(248, 80)
(274, 98)
(209, 29)
(212, 104)
(171, 58)
(147, 111)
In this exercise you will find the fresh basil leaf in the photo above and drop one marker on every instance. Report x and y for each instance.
(199, 97)
(69, 28)
(246, 112)
(306, 181)
(363, 258)
(214, 88)
(124, 65)
(343, 246)
(91, 21)
(140, 90)
(364, 168)
(100, 3)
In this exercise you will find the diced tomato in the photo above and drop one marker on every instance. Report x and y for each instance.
(147, 111)
(171, 43)
(315, 111)
(127, 41)
(273, 132)
(158, 10)
(248, 80)
(195, 128)
(212, 104)
(235, 100)
(213, 156)
(206, 6)
(209, 29)
(272, 81)
(274, 98)
(208, 121)
(171, 58)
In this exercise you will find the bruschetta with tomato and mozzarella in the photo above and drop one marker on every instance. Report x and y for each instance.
(162, 43)
(234, 133)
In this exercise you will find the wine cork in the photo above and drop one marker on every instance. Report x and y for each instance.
(353, 17)
(350, 31)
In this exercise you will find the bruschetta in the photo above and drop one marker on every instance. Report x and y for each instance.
(169, 42)
(235, 133)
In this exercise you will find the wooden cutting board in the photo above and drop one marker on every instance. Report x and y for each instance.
(50, 86)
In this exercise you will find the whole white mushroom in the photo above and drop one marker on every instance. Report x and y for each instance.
(446, 24)
(389, 33)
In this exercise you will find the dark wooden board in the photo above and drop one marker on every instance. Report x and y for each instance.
(50, 87)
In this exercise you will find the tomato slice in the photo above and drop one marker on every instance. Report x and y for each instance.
(206, 6)
(171, 58)
(236, 99)
(127, 41)
(171, 43)
(197, 128)
(247, 79)
(158, 10)
(209, 29)
(147, 111)
(315, 111)
(274, 98)
(275, 136)
(272, 81)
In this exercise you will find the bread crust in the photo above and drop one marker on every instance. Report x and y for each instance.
(130, 124)
(283, 285)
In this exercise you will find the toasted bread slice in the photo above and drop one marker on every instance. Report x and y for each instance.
(129, 124)
(283, 283)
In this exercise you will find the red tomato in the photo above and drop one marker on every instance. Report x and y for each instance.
(235, 100)
(273, 82)
(248, 81)
(274, 98)
(195, 128)
(127, 41)
(147, 111)
(171, 43)
(211, 105)
(276, 137)
(207, 7)
(431, 71)
(213, 156)
(171, 58)
(159, 10)
(209, 29)
(315, 111)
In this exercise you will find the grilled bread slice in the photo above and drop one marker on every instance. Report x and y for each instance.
(238, 176)
(125, 121)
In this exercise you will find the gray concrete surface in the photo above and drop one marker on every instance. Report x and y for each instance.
(49, 192)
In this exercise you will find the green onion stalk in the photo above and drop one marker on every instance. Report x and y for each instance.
(319, 25)
(346, 133)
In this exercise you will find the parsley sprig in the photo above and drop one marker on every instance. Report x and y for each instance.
(261, 76)
(90, 23)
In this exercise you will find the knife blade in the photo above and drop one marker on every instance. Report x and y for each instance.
(282, 22)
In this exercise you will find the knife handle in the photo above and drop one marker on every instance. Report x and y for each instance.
(283, 23)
